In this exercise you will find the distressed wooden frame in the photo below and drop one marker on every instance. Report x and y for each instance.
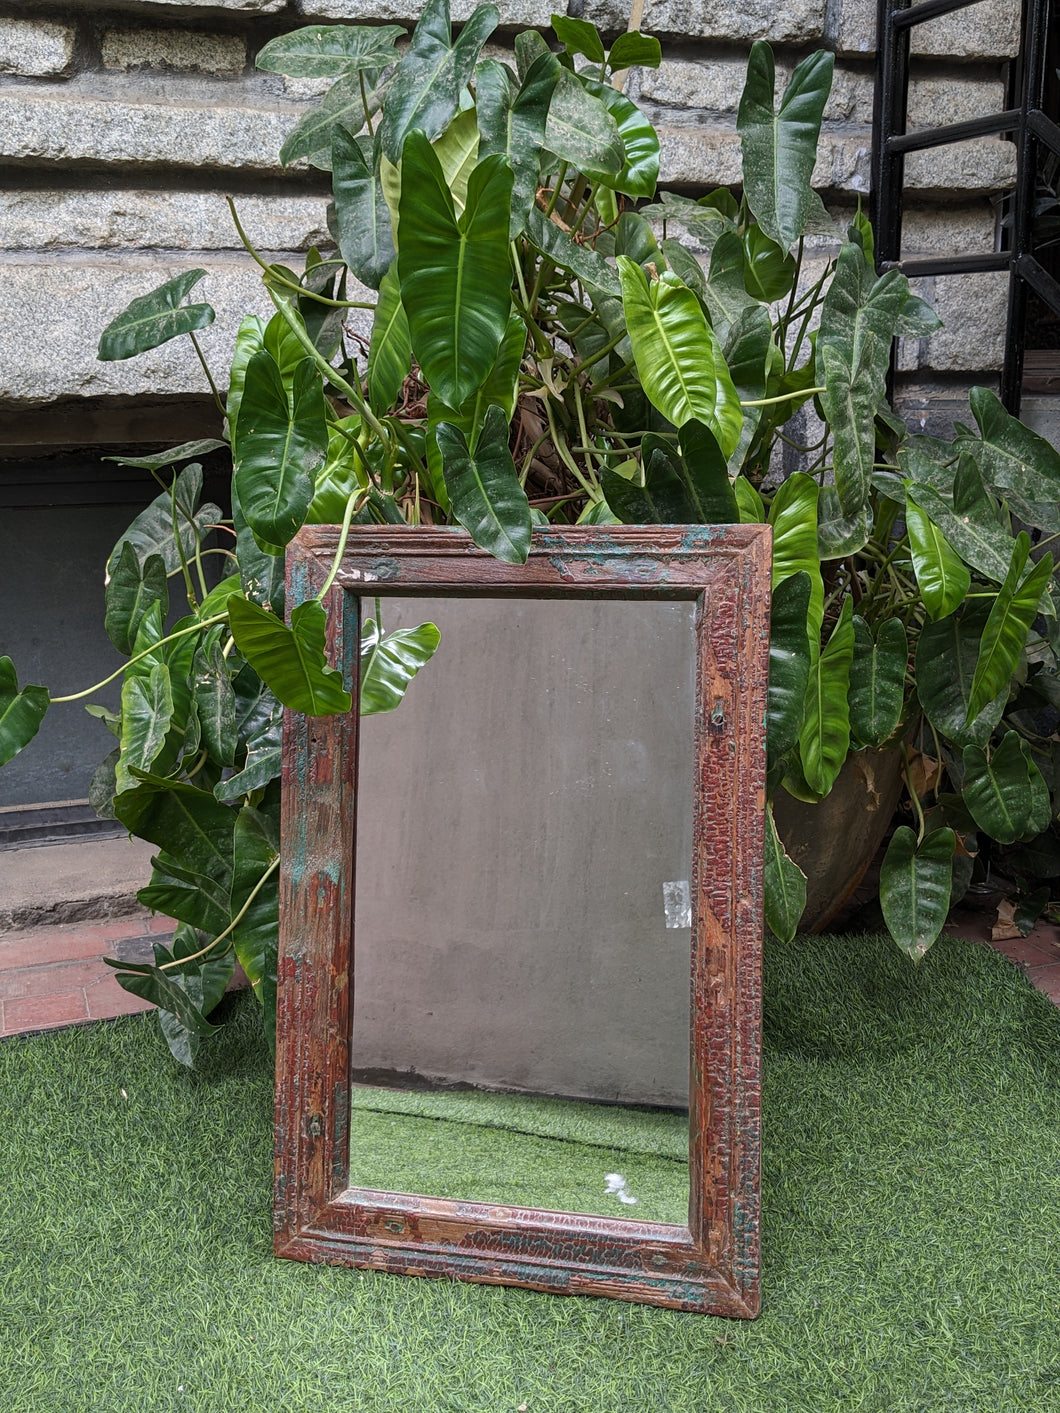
(713, 1264)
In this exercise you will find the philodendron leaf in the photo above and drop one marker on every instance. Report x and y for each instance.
(941, 575)
(1005, 635)
(825, 735)
(1014, 460)
(280, 442)
(152, 532)
(793, 516)
(311, 137)
(21, 713)
(155, 985)
(259, 726)
(945, 665)
(484, 488)
(635, 50)
(1005, 792)
(326, 51)
(789, 664)
(342, 475)
(131, 590)
(653, 493)
(877, 681)
(195, 833)
(154, 319)
(255, 849)
(579, 37)
(974, 527)
(146, 716)
(455, 275)
(581, 261)
(187, 451)
(390, 351)
(290, 660)
(840, 535)
(362, 224)
(204, 981)
(581, 130)
(780, 145)
(850, 410)
(785, 885)
(215, 702)
(424, 91)
(702, 467)
(512, 124)
(915, 884)
(389, 662)
(768, 271)
(678, 355)
(640, 170)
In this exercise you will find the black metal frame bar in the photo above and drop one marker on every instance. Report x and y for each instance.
(1032, 129)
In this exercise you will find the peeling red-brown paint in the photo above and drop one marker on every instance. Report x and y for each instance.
(712, 1264)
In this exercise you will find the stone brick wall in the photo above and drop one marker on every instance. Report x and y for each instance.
(125, 123)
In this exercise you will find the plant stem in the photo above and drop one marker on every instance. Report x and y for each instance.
(917, 806)
(183, 961)
(783, 397)
(341, 550)
(170, 638)
(364, 101)
(206, 369)
(270, 270)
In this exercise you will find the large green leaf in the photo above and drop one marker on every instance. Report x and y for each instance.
(945, 665)
(182, 893)
(326, 51)
(512, 124)
(850, 411)
(1014, 460)
(581, 130)
(131, 590)
(424, 91)
(793, 516)
(389, 662)
(789, 664)
(840, 535)
(256, 846)
(259, 724)
(154, 319)
(187, 451)
(152, 984)
(203, 981)
(280, 442)
(1005, 793)
(361, 224)
(146, 716)
(702, 467)
(215, 702)
(189, 825)
(651, 493)
(780, 145)
(1005, 635)
(390, 351)
(579, 37)
(484, 488)
(311, 137)
(768, 272)
(877, 681)
(290, 660)
(261, 574)
(342, 475)
(785, 885)
(973, 527)
(915, 885)
(640, 169)
(581, 261)
(678, 355)
(941, 576)
(825, 734)
(455, 275)
(635, 50)
(21, 713)
(726, 290)
(152, 532)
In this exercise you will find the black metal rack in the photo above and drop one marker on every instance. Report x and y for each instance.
(1031, 127)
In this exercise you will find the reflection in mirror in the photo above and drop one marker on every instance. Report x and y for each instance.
(521, 936)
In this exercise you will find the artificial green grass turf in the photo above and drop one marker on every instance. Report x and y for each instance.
(521, 1151)
(911, 1213)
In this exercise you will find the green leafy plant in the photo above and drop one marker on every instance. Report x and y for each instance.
(545, 347)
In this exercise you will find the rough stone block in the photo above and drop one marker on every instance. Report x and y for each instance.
(988, 30)
(233, 130)
(238, 7)
(58, 308)
(972, 309)
(35, 48)
(514, 13)
(131, 220)
(181, 50)
(983, 164)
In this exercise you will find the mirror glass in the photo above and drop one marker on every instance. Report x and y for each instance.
(521, 943)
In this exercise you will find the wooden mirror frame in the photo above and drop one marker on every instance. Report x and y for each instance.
(711, 1266)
